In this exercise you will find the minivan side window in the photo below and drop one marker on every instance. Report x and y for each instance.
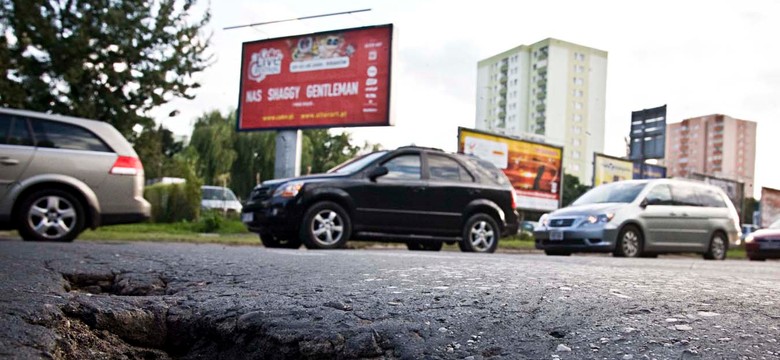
(659, 195)
(52, 134)
(444, 168)
(711, 198)
(403, 167)
(14, 130)
(684, 195)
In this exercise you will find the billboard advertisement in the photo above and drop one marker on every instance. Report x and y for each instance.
(534, 169)
(649, 171)
(608, 169)
(330, 79)
(770, 206)
(648, 133)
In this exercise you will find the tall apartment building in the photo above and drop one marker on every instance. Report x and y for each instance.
(715, 145)
(552, 91)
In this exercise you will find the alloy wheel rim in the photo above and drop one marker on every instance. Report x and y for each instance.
(630, 243)
(52, 217)
(327, 227)
(718, 247)
(482, 236)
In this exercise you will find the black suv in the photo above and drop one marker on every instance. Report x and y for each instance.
(424, 197)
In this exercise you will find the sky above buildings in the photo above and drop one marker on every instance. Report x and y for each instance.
(697, 57)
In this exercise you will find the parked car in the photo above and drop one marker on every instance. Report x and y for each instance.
(764, 243)
(747, 229)
(643, 218)
(59, 175)
(424, 197)
(219, 198)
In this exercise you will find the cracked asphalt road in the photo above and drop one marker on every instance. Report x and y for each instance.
(152, 300)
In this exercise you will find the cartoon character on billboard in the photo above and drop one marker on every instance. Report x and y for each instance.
(321, 47)
(263, 63)
(304, 49)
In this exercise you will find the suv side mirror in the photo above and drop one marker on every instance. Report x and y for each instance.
(377, 172)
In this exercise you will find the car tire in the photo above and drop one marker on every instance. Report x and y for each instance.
(556, 253)
(630, 242)
(717, 249)
(756, 259)
(50, 215)
(424, 245)
(325, 226)
(480, 234)
(273, 242)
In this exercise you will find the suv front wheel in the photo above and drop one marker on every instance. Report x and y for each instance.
(50, 215)
(325, 226)
(480, 234)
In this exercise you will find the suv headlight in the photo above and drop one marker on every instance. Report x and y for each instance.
(288, 190)
(603, 218)
(544, 219)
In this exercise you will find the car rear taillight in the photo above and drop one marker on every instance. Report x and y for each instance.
(126, 165)
(514, 199)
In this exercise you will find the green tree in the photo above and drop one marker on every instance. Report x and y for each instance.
(156, 148)
(572, 189)
(213, 140)
(748, 208)
(323, 150)
(255, 152)
(100, 59)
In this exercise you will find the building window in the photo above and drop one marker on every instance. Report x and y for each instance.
(575, 154)
(579, 68)
(579, 56)
(577, 105)
(575, 142)
(577, 117)
(578, 93)
(576, 129)
(578, 81)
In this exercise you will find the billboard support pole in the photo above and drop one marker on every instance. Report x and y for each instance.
(287, 162)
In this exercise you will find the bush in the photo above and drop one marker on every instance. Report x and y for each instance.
(210, 222)
(173, 202)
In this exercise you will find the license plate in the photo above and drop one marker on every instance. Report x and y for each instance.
(556, 235)
(247, 217)
(771, 245)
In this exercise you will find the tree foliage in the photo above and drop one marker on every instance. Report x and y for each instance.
(108, 60)
(156, 148)
(323, 151)
(213, 139)
(572, 189)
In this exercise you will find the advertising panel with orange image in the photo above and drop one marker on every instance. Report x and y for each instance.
(534, 169)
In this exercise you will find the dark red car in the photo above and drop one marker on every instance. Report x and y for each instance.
(764, 244)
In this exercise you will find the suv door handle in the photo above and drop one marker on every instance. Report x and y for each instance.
(418, 189)
(5, 160)
(474, 191)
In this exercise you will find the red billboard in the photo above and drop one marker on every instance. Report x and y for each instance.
(331, 79)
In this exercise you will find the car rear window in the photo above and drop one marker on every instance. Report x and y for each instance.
(487, 170)
(52, 134)
(444, 168)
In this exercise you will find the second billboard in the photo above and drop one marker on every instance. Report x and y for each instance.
(534, 169)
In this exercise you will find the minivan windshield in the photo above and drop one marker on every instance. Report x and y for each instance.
(355, 164)
(617, 192)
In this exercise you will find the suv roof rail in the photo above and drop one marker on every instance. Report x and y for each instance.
(419, 147)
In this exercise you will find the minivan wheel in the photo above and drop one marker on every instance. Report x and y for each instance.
(325, 226)
(273, 242)
(480, 234)
(629, 242)
(424, 245)
(50, 215)
(717, 248)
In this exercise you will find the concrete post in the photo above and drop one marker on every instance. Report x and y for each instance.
(287, 163)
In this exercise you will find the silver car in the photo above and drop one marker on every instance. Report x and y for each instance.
(643, 218)
(219, 198)
(60, 175)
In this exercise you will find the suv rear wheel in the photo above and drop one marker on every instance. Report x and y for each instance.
(480, 234)
(50, 215)
(325, 226)
(271, 241)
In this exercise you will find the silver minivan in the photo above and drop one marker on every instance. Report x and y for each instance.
(60, 175)
(643, 218)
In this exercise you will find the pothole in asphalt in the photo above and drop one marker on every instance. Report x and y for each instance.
(125, 284)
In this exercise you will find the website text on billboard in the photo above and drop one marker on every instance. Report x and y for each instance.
(534, 169)
(331, 79)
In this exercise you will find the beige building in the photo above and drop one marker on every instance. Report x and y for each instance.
(715, 145)
(552, 91)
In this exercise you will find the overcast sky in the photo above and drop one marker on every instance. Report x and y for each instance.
(698, 57)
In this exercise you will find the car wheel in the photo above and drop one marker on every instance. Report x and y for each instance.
(274, 242)
(717, 249)
(424, 245)
(480, 234)
(50, 215)
(556, 253)
(325, 226)
(629, 242)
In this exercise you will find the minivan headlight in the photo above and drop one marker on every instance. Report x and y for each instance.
(603, 218)
(288, 190)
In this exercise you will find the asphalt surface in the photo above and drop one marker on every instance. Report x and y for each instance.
(149, 301)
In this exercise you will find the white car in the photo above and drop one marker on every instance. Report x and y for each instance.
(219, 198)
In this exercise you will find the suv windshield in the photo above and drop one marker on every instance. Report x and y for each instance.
(618, 192)
(355, 164)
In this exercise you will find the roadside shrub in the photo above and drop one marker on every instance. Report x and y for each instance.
(173, 202)
(210, 222)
